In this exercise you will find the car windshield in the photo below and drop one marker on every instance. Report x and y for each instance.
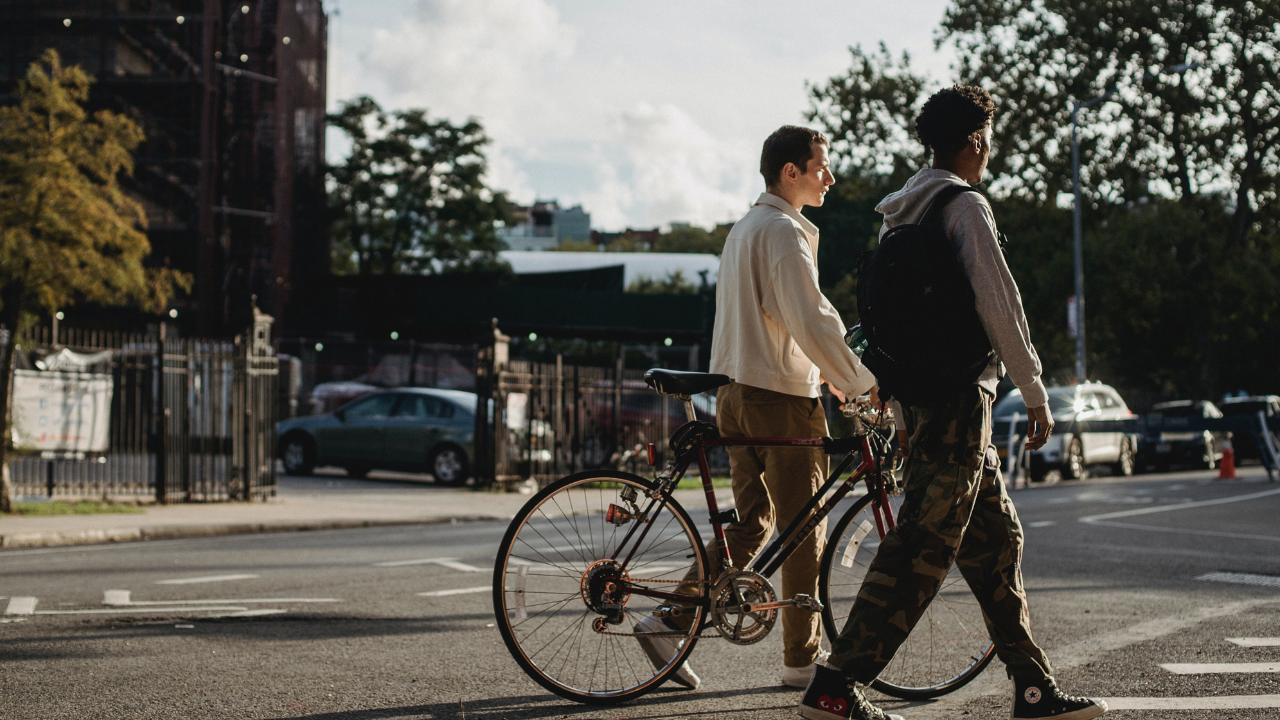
(1180, 410)
(1060, 403)
(1250, 407)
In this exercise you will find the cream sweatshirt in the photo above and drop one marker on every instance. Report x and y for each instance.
(774, 328)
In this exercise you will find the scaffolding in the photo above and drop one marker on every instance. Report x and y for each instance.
(231, 97)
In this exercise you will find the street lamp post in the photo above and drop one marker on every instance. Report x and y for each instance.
(1077, 243)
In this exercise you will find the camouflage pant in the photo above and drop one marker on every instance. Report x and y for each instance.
(955, 510)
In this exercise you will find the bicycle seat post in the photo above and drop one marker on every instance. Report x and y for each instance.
(688, 407)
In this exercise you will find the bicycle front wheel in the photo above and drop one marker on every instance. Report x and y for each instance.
(948, 647)
(559, 589)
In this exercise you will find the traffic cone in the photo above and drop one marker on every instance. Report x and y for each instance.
(1227, 469)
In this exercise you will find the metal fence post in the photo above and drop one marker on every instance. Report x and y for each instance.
(162, 423)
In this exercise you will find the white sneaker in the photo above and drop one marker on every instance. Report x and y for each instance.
(799, 677)
(662, 648)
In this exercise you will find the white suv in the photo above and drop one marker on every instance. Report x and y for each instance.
(1070, 451)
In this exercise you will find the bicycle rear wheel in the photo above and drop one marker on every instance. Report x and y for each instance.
(948, 647)
(554, 562)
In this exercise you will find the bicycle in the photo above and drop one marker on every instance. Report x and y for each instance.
(597, 551)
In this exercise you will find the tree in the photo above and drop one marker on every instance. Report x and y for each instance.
(692, 239)
(674, 284)
(411, 196)
(68, 232)
(1209, 131)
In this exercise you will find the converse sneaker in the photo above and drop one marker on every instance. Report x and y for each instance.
(661, 648)
(798, 677)
(1035, 699)
(832, 696)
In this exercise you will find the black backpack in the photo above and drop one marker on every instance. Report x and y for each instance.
(925, 341)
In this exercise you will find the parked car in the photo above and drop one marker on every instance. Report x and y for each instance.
(1171, 445)
(1244, 444)
(1068, 451)
(410, 429)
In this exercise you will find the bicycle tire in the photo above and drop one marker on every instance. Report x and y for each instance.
(633, 674)
(899, 679)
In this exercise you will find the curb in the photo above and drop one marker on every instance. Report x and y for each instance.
(176, 532)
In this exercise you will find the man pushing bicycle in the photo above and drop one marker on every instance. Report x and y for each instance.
(779, 338)
(955, 510)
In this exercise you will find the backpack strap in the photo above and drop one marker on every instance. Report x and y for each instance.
(941, 200)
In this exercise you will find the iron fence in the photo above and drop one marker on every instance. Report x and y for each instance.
(549, 420)
(190, 419)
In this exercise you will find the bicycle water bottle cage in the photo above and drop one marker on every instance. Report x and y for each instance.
(685, 436)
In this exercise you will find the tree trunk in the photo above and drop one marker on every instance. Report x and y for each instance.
(10, 317)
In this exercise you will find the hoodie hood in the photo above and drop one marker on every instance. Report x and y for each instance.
(908, 205)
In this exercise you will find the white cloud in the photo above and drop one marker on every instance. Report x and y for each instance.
(671, 169)
(462, 58)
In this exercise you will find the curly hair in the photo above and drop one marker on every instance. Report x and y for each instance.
(950, 118)
(788, 144)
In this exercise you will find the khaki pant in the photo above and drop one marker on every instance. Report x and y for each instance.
(770, 487)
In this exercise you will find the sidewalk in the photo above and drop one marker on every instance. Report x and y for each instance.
(324, 502)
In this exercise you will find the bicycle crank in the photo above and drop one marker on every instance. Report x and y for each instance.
(803, 602)
(744, 607)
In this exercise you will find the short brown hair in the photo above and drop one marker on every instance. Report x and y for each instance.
(788, 144)
(950, 118)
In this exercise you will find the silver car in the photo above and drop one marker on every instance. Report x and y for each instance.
(1071, 450)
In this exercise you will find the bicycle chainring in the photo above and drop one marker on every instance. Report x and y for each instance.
(735, 588)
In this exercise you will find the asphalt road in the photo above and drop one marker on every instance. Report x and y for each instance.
(332, 625)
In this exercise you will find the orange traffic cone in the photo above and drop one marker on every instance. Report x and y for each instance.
(1227, 469)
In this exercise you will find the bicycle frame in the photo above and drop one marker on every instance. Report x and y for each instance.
(777, 552)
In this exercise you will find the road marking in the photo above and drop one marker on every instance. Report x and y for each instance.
(1042, 523)
(451, 563)
(250, 613)
(206, 579)
(21, 606)
(1238, 578)
(121, 598)
(1218, 668)
(1180, 506)
(132, 611)
(1220, 702)
(1255, 641)
(455, 591)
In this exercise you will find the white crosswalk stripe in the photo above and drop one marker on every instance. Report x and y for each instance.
(1220, 668)
(455, 591)
(1218, 702)
(1256, 641)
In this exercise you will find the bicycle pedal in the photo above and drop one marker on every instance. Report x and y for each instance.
(805, 602)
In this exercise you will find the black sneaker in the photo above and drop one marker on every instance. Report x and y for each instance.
(1036, 699)
(832, 696)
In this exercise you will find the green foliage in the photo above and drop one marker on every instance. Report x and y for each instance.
(1213, 128)
(83, 507)
(692, 239)
(576, 246)
(674, 284)
(411, 196)
(68, 232)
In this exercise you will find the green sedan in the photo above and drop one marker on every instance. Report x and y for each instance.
(408, 429)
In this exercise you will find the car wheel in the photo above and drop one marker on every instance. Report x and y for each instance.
(448, 465)
(298, 453)
(1124, 464)
(357, 471)
(1073, 464)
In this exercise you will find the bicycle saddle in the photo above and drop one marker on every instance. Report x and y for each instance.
(676, 382)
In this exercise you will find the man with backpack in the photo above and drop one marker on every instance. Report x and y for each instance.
(943, 369)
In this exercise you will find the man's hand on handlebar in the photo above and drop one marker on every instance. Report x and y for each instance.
(1039, 426)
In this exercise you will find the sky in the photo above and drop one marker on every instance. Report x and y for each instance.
(645, 112)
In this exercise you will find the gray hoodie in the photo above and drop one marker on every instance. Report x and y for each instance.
(972, 228)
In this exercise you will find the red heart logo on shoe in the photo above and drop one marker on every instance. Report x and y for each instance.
(838, 706)
(824, 702)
